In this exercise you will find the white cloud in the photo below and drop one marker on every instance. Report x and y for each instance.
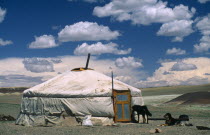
(160, 13)
(191, 81)
(166, 61)
(2, 14)
(202, 47)
(143, 11)
(99, 48)
(124, 78)
(38, 65)
(164, 76)
(15, 80)
(175, 51)
(203, 26)
(178, 29)
(86, 31)
(205, 39)
(196, 80)
(166, 73)
(5, 42)
(130, 75)
(176, 21)
(203, 1)
(181, 66)
(129, 62)
(68, 63)
(146, 84)
(56, 60)
(19, 69)
(45, 41)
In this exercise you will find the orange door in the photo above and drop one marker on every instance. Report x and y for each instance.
(122, 105)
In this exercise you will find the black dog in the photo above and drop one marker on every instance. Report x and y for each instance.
(141, 110)
(169, 120)
(182, 121)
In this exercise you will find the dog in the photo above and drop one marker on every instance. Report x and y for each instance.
(184, 120)
(181, 121)
(79, 120)
(170, 121)
(184, 117)
(141, 110)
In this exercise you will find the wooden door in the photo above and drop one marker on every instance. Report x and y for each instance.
(122, 105)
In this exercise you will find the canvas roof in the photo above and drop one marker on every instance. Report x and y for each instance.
(87, 83)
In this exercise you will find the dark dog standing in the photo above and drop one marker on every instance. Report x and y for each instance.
(141, 110)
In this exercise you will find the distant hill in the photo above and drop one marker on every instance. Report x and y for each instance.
(192, 98)
(170, 90)
(12, 89)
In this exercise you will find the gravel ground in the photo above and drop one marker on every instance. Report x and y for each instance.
(199, 117)
(8, 128)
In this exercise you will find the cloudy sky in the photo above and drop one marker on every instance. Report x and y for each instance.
(147, 43)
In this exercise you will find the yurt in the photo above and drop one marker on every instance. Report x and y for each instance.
(78, 93)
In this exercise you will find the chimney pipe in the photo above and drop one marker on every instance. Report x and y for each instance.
(86, 67)
(112, 81)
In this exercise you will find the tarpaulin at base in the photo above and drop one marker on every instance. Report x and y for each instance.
(41, 111)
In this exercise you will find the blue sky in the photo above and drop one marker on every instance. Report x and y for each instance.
(148, 43)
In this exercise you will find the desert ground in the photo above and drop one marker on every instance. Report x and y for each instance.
(154, 98)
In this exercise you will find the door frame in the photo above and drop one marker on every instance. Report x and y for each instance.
(115, 102)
